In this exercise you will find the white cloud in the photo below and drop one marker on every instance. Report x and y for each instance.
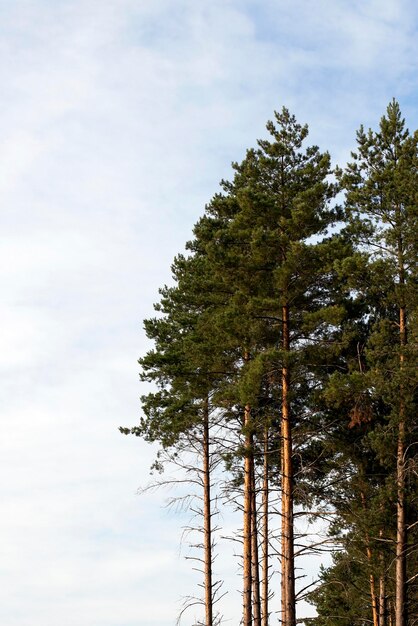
(117, 120)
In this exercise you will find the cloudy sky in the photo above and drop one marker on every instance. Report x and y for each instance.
(117, 120)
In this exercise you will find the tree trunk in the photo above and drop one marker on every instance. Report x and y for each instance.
(207, 518)
(400, 576)
(288, 566)
(382, 600)
(247, 576)
(373, 595)
(283, 561)
(265, 544)
(400, 595)
(391, 613)
(254, 550)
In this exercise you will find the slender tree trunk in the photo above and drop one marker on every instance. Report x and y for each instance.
(283, 549)
(382, 600)
(373, 595)
(288, 566)
(391, 613)
(247, 576)
(382, 585)
(265, 544)
(254, 550)
(400, 576)
(207, 518)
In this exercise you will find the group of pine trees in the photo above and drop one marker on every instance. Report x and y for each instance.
(285, 352)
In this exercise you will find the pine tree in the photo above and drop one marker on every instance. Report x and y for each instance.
(381, 184)
(185, 364)
(279, 285)
(277, 331)
(370, 417)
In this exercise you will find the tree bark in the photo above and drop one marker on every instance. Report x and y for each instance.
(247, 575)
(254, 550)
(373, 595)
(288, 566)
(207, 521)
(382, 601)
(391, 613)
(265, 538)
(283, 549)
(400, 575)
(382, 584)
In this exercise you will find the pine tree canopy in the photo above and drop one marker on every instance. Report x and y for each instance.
(285, 352)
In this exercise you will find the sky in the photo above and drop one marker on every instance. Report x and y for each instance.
(118, 118)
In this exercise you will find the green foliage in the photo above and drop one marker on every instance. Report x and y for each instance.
(342, 597)
(378, 373)
(272, 238)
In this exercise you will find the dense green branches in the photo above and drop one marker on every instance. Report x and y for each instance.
(286, 348)
(378, 394)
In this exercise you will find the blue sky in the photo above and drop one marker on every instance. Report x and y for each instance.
(117, 120)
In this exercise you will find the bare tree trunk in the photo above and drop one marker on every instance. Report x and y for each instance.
(400, 577)
(400, 528)
(382, 600)
(283, 561)
(265, 538)
(382, 586)
(391, 613)
(288, 566)
(247, 576)
(373, 595)
(207, 518)
(254, 550)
